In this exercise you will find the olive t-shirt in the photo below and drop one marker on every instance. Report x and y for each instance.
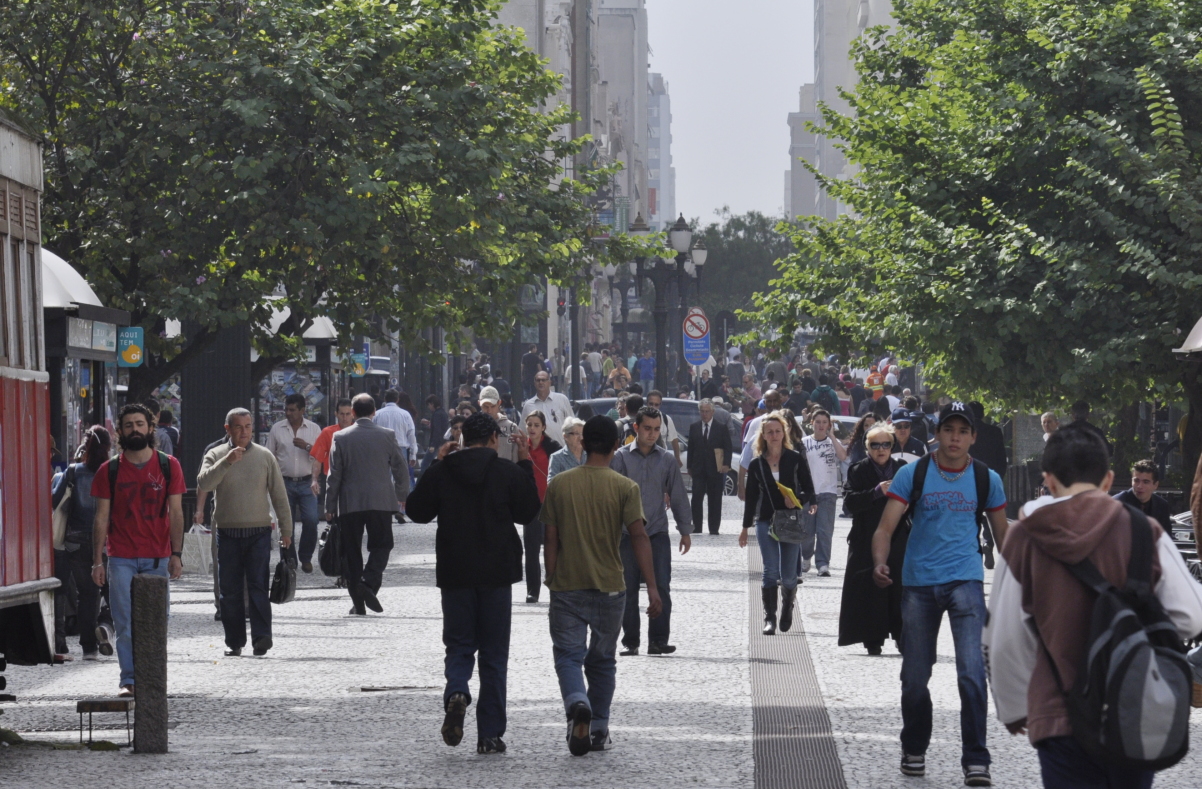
(589, 506)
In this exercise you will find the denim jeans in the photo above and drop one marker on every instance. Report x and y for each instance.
(648, 384)
(922, 613)
(1063, 764)
(477, 619)
(244, 563)
(121, 574)
(304, 509)
(660, 628)
(779, 558)
(572, 615)
(820, 528)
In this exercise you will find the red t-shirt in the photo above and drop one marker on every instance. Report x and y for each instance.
(138, 527)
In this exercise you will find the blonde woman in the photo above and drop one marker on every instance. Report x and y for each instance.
(869, 614)
(775, 461)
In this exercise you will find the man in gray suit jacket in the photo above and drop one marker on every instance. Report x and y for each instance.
(368, 480)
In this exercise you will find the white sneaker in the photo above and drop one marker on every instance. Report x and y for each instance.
(91, 656)
(105, 639)
(805, 566)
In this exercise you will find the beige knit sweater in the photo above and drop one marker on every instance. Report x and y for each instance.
(243, 490)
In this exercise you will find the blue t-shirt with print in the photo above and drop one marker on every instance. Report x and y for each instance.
(943, 545)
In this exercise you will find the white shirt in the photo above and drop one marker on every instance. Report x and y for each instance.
(294, 461)
(556, 408)
(749, 443)
(824, 464)
(594, 362)
(891, 379)
(400, 422)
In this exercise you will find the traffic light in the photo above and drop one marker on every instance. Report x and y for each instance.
(561, 305)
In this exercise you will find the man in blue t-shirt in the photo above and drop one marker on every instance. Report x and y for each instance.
(942, 573)
(646, 371)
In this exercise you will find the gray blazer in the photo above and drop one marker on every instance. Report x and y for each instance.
(367, 470)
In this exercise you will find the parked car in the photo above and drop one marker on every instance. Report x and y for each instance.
(683, 413)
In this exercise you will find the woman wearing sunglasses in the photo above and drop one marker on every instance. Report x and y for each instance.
(869, 614)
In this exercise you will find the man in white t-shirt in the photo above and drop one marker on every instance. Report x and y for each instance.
(825, 454)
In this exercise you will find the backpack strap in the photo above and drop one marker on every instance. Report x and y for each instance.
(165, 467)
(921, 467)
(1139, 569)
(984, 530)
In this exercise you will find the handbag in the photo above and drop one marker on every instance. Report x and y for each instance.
(329, 554)
(62, 512)
(283, 583)
(787, 525)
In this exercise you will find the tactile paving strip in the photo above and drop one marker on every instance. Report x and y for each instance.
(794, 748)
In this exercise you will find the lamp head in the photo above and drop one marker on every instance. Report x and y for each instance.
(700, 253)
(680, 236)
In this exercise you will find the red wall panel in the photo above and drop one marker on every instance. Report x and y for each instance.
(26, 553)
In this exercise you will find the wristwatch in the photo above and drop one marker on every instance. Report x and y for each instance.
(178, 554)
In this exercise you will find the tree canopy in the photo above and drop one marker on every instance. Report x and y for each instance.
(742, 253)
(1027, 217)
(386, 165)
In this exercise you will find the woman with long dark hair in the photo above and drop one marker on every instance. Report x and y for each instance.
(869, 614)
(74, 561)
(542, 447)
(856, 450)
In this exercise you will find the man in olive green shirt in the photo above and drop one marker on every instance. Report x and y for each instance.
(584, 512)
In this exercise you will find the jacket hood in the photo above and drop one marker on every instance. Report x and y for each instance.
(1072, 529)
(468, 466)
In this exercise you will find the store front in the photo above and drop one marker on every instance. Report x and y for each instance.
(81, 354)
(320, 378)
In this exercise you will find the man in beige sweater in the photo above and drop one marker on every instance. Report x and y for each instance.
(247, 485)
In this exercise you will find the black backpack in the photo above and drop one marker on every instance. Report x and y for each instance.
(164, 466)
(981, 473)
(1130, 705)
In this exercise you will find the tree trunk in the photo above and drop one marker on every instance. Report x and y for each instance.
(1127, 446)
(145, 379)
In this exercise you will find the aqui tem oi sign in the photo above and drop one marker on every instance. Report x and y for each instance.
(696, 330)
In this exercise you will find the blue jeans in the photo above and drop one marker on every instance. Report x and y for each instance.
(121, 574)
(304, 509)
(477, 619)
(594, 383)
(660, 628)
(922, 614)
(1064, 764)
(244, 563)
(779, 557)
(572, 615)
(820, 528)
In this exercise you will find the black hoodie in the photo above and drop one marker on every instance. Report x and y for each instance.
(477, 498)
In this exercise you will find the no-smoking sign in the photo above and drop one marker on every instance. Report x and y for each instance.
(696, 326)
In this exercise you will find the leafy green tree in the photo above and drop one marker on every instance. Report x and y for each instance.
(1027, 217)
(385, 165)
(743, 250)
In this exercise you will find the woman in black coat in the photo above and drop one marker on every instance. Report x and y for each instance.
(869, 614)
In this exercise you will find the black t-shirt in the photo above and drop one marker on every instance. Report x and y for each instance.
(1157, 506)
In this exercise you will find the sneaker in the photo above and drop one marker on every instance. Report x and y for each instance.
(977, 775)
(629, 652)
(602, 741)
(105, 640)
(914, 765)
(579, 737)
(487, 745)
(452, 724)
(126, 692)
(805, 566)
(824, 572)
(91, 656)
(660, 649)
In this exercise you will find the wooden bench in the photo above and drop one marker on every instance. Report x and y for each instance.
(91, 706)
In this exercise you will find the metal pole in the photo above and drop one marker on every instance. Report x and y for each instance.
(660, 313)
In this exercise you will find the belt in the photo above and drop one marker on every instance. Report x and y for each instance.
(305, 478)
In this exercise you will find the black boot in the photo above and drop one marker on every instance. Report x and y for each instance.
(786, 608)
(769, 610)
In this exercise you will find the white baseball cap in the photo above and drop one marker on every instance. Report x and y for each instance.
(489, 394)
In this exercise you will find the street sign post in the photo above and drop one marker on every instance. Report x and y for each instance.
(696, 337)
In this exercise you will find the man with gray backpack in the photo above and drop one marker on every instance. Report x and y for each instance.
(1090, 603)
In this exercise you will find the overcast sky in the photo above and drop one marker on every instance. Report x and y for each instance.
(733, 68)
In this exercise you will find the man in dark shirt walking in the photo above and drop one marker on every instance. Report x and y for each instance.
(477, 498)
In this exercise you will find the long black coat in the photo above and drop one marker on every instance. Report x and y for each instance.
(869, 613)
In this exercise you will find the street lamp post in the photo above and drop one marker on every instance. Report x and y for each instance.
(681, 239)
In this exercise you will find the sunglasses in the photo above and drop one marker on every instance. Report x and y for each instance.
(879, 445)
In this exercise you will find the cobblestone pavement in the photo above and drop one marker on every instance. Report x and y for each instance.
(300, 715)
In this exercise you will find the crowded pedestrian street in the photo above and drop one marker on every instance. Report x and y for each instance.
(347, 701)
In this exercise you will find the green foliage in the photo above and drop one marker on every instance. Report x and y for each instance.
(385, 165)
(743, 250)
(1028, 214)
